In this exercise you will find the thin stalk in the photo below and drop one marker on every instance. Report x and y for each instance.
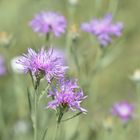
(35, 109)
(48, 39)
(138, 97)
(35, 121)
(2, 122)
(56, 131)
(93, 81)
(98, 4)
(74, 54)
(71, 13)
(113, 6)
(60, 115)
(99, 61)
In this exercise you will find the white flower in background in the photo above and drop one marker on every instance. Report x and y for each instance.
(136, 75)
(20, 127)
(73, 2)
(16, 67)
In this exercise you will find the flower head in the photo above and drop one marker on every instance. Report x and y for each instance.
(67, 95)
(42, 64)
(103, 29)
(123, 110)
(2, 66)
(48, 22)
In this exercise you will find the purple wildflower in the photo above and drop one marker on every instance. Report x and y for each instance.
(42, 64)
(103, 29)
(46, 22)
(123, 110)
(2, 66)
(67, 95)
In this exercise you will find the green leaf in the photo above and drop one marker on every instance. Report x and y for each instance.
(79, 113)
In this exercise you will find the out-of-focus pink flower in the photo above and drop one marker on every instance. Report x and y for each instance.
(123, 110)
(48, 22)
(2, 66)
(104, 29)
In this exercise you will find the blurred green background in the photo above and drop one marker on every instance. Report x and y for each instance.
(112, 83)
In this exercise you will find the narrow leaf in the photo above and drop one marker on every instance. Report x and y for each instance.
(44, 134)
(72, 117)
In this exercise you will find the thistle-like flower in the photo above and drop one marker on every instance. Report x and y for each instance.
(103, 29)
(67, 96)
(42, 64)
(2, 66)
(123, 110)
(48, 22)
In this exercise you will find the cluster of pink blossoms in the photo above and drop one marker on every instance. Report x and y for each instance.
(46, 64)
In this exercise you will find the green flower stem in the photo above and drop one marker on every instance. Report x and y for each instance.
(74, 54)
(95, 70)
(60, 112)
(138, 97)
(56, 130)
(35, 108)
(71, 13)
(100, 57)
(97, 7)
(113, 6)
(48, 40)
(3, 123)
(93, 84)
(35, 117)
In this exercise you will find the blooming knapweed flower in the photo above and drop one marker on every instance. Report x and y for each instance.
(123, 110)
(67, 95)
(104, 29)
(2, 66)
(48, 22)
(42, 64)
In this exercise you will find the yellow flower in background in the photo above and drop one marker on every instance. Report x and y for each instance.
(74, 28)
(5, 38)
(108, 123)
(74, 32)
